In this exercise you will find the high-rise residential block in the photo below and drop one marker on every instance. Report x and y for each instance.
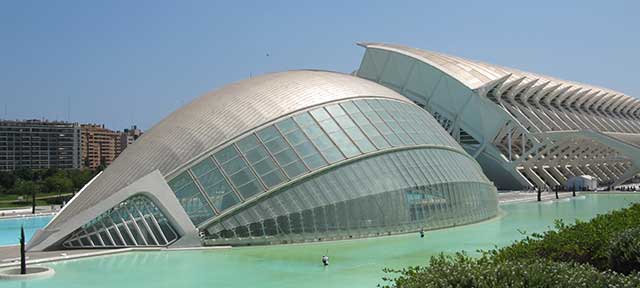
(39, 144)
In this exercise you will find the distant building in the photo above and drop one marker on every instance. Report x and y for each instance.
(100, 146)
(128, 136)
(37, 144)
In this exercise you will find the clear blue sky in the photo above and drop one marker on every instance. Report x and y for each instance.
(134, 62)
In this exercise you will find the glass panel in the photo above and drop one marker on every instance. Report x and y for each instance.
(294, 169)
(249, 189)
(201, 215)
(335, 110)
(361, 141)
(268, 133)
(256, 154)
(304, 120)
(360, 119)
(313, 131)
(247, 143)
(124, 226)
(295, 137)
(241, 177)
(305, 149)
(203, 167)
(215, 190)
(332, 154)
(180, 181)
(186, 191)
(276, 145)
(226, 154)
(227, 201)
(323, 142)
(286, 125)
(329, 125)
(105, 238)
(211, 178)
(315, 161)
(349, 107)
(345, 145)
(265, 166)
(345, 122)
(272, 179)
(285, 157)
(234, 166)
(116, 237)
(95, 240)
(319, 114)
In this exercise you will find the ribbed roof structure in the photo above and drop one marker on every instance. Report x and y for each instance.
(215, 119)
(509, 82)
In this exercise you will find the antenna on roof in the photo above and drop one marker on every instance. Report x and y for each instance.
(68, 108)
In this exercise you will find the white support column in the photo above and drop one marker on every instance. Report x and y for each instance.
(550, 181)
(533, 176)
(558, 176)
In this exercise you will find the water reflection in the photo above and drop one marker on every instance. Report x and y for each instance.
(356, 263)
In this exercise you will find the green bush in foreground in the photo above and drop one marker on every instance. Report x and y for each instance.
(463, 271)
(597, 253)
(624, 251)
(583, 242)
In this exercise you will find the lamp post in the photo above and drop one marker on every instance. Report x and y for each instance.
(33, 201)
(23, 262)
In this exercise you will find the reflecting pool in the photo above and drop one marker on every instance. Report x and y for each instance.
(10, 228)
(356, 263)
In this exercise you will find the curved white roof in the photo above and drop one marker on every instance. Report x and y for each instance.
(476, 75)
(216, 118)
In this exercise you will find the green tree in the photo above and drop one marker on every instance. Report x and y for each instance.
(58, 183)
(7, 180)
(80, 177)
(24, 174)
(48, 172)
(25, 188)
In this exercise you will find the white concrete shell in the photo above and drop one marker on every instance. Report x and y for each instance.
(506, 116)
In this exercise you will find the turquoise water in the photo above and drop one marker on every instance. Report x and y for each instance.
(10, 228)
(356, 263)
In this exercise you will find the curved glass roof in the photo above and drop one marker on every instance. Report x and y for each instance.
(299, 144)
(215, 118)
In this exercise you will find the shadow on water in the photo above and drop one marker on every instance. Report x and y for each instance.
(356, 263)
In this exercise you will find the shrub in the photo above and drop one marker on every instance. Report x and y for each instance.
(623, 251)
(583, 242)
(463, 271)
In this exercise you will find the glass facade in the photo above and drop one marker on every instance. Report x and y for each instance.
(416, 177)
(136, 221)
(395, 192)
(284, 157)
(297, 145)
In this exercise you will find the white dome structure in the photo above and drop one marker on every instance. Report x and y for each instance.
(279, 158)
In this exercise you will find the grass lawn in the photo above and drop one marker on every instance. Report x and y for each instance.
(13, 205)
(11, 201)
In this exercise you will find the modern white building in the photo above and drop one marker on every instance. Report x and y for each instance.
(524, 129)
(305, 156)
(287, 157)
(582, 182)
